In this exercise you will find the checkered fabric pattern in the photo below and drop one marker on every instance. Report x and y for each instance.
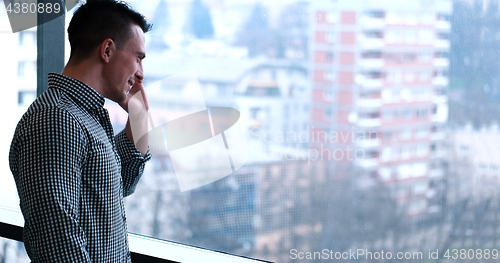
(72, 174)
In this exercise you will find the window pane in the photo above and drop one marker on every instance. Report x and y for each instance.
(296, 126)
(335, 108)
(18, 69)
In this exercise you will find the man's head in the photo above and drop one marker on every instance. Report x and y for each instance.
(107, 37)
(98, 20)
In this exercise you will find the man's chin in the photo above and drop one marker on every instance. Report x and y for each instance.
(118, 98)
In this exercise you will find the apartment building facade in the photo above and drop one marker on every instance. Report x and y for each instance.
(379, 79)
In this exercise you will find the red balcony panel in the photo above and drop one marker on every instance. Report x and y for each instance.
(321, 37)
(320, 76)
(342, 117)
(318, 95)
(323, 57)
(348, 18)
(346, 78)
(347, 38)
(321, 17)
(346, 58)
(345, 97)
(317, 115)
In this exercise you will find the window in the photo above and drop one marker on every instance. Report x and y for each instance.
(420, 188)
(385, 174)
(404, 83)
(405, 134)
(425, 56)
(398, 77)
(329, 56)
(407, 114)
(422, 131)
(391, 37)
(388, 135)
(329, 95)
(424, 75)
(425, 36)
(404, 171)
(26, 97)
(332, 17)
(331, 37)
(372, 54)
(427, 18)
(405, 152)
(422, 150)
(329, 75)
(411, 18)
(254, 113)
(410, 76)
(328, 113)
(221, 90)
(27, 38)
(411, 36)
(21, 69)
(388, 115)
(422, 113)
(386, 155)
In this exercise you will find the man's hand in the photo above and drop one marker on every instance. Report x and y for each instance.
(137, 107)
(135, 102)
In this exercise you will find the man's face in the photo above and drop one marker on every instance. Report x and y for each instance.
(125, 67)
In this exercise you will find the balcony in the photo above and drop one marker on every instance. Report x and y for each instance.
(370, 42)
(368, 83)
(441, 113)
(436, 136)
(369, 122)
(442, 43)
(436, 173)
(369, 103)
(367, 162)
(371, 63)
(369, 22)
(438, 154)
(440, 99)
(368, 143)
(441, 62)
(440, 81)
(443, 25)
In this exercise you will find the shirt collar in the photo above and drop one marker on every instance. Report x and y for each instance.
(83, 94)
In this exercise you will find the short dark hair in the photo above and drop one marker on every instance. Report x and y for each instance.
(98, 20)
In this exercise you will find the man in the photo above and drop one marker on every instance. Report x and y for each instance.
(70, 170)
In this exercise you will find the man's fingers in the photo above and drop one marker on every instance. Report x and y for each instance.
(138, 87)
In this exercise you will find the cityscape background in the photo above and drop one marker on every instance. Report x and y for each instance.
(370, 124)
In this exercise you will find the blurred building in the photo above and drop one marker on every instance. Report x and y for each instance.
(474, 163)
(257, 206)
(272, 96)
(379, 74)
(18, 91)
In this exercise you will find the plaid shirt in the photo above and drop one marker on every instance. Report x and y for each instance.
(71, 174)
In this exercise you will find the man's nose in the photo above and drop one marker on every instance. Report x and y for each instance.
(139, 76)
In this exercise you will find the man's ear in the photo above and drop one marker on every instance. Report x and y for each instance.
(106, 49)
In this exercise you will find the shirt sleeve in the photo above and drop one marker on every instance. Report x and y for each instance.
(132, 162)
(46, 156)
